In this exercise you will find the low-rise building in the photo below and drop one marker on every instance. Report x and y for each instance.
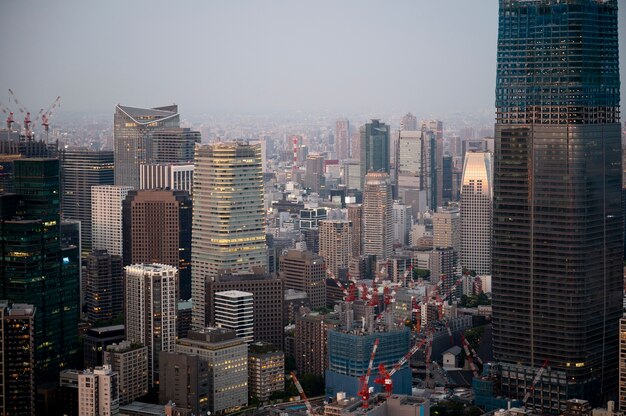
(130, 361)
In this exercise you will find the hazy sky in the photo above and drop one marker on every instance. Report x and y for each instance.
(236, 56)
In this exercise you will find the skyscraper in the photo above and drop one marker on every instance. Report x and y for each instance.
(156, 228)
(408, 122)
(106, 218)
(314, 174)
(131, 128)
(228, 216)
(150, 299)
(103, 285)
(33, 267)
(477, 212)
(336, 246)
(342, 139)
(377, 216)
(234, 310)
(374, 149)
(171, 145)
(557, 252)
(305, 271)
(82, 168)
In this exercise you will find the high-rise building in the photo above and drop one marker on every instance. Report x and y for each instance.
(17, 359)
(447, 228)
(622, 364)
(355, 216)
(557, 219)
(314, 172)
(150, 300)
(82, 168)
(156, 228)
(374, 155)
(342, 139)
(305, 271)
(228, 216)
(96, 341)
(266, 370)
(477, 212)
(377, 216)
(178, 177)
(131, 129)
(33, 267)
(103, 286)
(311, 342)
(185, 381)
(130, 362)
(402, 222)
(106, 218)
(267, 291)
(98, 392)
(227, 359)
(234, 310)
(408, 122)
(336, 246)
(171, 145)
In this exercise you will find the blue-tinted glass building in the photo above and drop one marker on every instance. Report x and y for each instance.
(349, 355)
(557, 247)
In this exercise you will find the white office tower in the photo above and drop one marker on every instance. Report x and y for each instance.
(106, 217)
(336, 245)
(150, 299)
(98, 392)
(234, 310)
(402, 221)
(228, 216)
(377, 216)
(177, 177)
(477, 212)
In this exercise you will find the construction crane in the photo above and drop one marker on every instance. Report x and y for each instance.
(45, 115)
(535, 381)
(469, 358)
(364, 390)
(9, 114)
(474, 354)
(27, 121)
(384, 377)
(309, 408)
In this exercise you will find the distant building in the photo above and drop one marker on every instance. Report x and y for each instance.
(130, 362)
(402, 221)
(17, 359)
(106, 217)
(374, 149)
(408, 122)
(227, 359)
(98, 392)
(234, 310)
(314, 174)
(336, 246)
(355, 215)
(131, 128)
(305, 271)
(81, 169)
(377, 216)
(266, 370)
(342, 138)
(151, 310)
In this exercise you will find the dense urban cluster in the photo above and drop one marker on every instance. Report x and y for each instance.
(373, 267)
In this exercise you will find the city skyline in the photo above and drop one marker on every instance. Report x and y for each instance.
(298, 58)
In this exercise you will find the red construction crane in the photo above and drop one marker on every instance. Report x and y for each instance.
(331, 275)
(45, 115)
(374, 299)
(535, 381)
(384, 377)
(451, 336)
(27, 121)
(364, 389)
(469, 358)
(474, 354)
(9, 114)
(309, 408)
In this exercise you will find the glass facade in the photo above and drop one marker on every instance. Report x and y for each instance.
(557, 252)
(374, 150)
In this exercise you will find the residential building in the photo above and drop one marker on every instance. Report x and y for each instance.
(131, 128)
(234, 310)
(106, 218)
(98, 392)
(150, 300)
(477, 212)
(228, 217)
(377, 216)
(266, 370)
(82, 168)
(305, 271)
(157, 229)
(355, 216)
(557, 220)
(226, 356)
(336, 246)
(17, 359)
(130, 362)
(311, 342)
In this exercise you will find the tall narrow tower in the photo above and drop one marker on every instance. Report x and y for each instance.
(557, 253)
(377, 216)
(228, 216)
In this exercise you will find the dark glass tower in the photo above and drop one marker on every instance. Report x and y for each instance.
(375, 154)
(557, 252)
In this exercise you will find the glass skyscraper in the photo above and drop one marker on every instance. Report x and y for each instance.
(557, 252)
(374, 152)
